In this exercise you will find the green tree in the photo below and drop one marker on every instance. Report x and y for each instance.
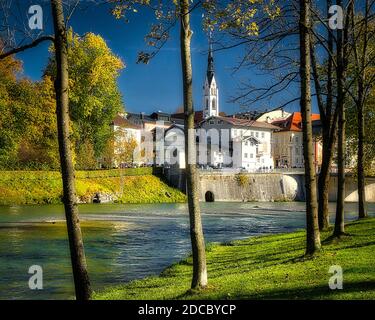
(28, 137)
(11, 105)
(94, 96)
(38, 145)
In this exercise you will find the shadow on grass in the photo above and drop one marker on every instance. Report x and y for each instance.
(333, 239)
(306, 293)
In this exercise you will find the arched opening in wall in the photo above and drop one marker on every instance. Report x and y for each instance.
(209, 197)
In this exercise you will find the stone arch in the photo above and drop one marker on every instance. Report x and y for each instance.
(209, 196)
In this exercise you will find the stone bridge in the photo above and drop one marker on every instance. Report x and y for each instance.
(230, 186)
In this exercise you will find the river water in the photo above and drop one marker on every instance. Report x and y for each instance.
(124, 242)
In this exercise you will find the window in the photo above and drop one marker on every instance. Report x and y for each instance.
(263, 135)
(252, 133)
(245, 155)
(212, 122)
(257, 134)
(207, 104)
(246, 143)
(213, 104)
(296, 139)
(251, 155)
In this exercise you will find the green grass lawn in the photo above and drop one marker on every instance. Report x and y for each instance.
(269, 267)
(130, 185)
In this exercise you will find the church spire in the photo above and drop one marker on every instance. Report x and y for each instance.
(210, 65)
(210, 89)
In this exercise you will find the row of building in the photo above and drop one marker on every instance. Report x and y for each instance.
(253, 141)
(273, 140)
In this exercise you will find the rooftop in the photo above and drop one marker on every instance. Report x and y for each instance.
(293, 122)
(246, 123)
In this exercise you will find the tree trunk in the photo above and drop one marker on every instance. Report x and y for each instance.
(196, 232)
(329, 123)
(362, 212)
(323, 184)
(341, 139)
(312, 227)
(78, 260)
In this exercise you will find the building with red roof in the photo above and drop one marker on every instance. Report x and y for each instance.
(288, 142)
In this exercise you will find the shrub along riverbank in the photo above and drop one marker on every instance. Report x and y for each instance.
(125, 186)
(269, 267)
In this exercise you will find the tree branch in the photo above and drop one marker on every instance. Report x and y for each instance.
(27, 46)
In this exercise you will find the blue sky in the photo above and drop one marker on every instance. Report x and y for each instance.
(158, 85)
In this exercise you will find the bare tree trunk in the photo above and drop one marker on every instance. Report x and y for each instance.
(312, 227)
(328, 134)
(342, 40)
(362, 212)
(77, 254)
(339, 221)
(196, 232)
(323, 182)
(329, 125)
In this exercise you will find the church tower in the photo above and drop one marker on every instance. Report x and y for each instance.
(210, 89)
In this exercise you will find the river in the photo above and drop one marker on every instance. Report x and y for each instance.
(124, 242)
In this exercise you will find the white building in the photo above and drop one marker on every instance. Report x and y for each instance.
(174, 148)
(236, 143)
(127, 136)
(273, 115)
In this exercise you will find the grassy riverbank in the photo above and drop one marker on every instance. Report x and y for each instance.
(45, 187)
(269, 267)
